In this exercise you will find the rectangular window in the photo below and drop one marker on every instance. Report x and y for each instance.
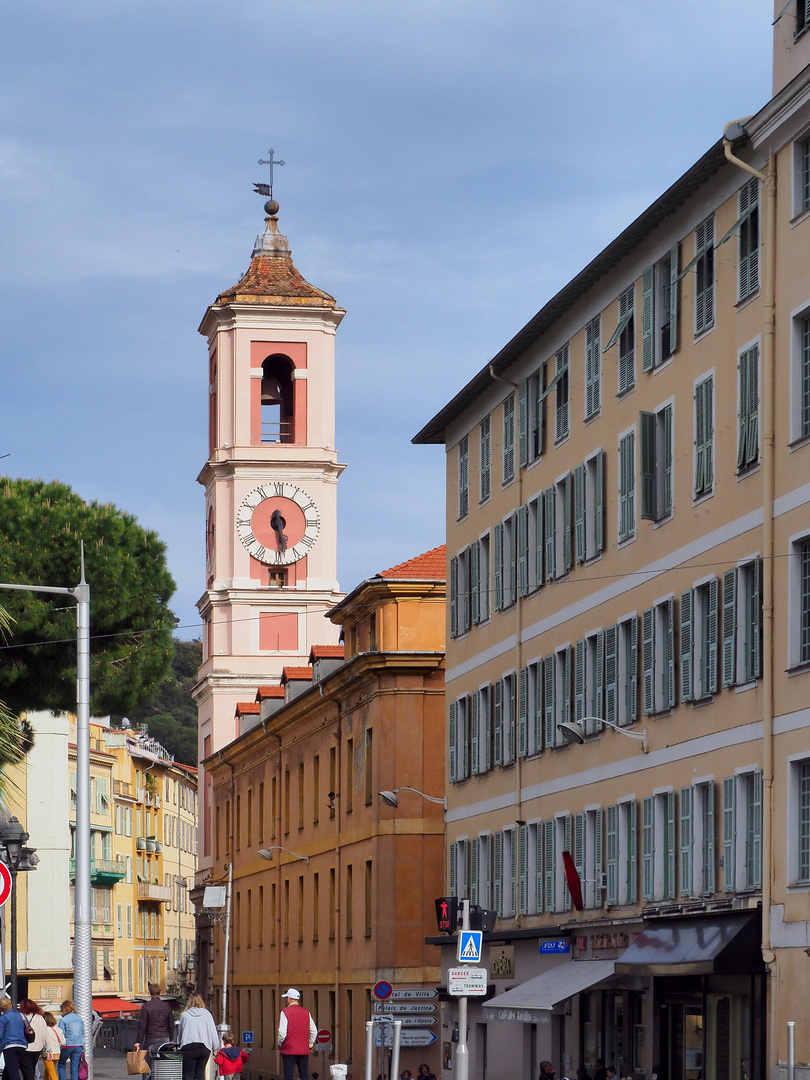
(561, 411)
(508, 562)
(535, 543)
(463, 477)
(459, 740)
(481, 559)
(369, 767)
(593, 368)
(549, 865)
(509, 439)
(316, 790)
(506, 724)
(485, 471)
(620, 853)
(589, 513)
(316, 905)
(799, 796)
(802, 173)
(627, 340)
(563, 696)
(697, 859)
(742, 624)
(659, 311)
(699, 640)
(704, 436)
(536, 414)
(800, 378)
(656, 463)
(348, 803)
(802, 556)
(481, 731)
(530, 738)
(658, 657)
(748, 207)
(704, 275)
(627, 486)
(658, 857)
(802, 16)
(748, 415)
(742, 831)
(627, 657)
(349, 899)
(300, 795)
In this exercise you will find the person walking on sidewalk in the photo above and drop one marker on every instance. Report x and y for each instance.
(296, 1034)
(198, 1038)
(154, 1023)
(28, 1061)
(231, 1059)
(72, 1027)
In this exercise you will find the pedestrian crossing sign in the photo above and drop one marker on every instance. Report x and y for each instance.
(469, 946)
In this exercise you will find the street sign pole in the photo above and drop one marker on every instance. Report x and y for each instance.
(369, 1051)
(462, 1052)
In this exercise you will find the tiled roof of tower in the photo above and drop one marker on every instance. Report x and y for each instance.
(288, 674)
(269, 692)
(431, 566)
(247, 708)
(326, 652)
(272, 277)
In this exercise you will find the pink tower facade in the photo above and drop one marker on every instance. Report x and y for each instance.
(270, 489)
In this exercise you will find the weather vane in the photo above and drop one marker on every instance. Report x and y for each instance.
(267, 189)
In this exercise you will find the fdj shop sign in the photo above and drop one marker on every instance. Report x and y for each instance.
(501, 961)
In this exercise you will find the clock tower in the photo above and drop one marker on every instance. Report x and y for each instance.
(270, 486)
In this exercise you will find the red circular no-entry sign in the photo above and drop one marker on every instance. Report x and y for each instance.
(382, 990)
(5, 883)
(324, 1036)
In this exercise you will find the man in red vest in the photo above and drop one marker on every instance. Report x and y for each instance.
(296, 1035)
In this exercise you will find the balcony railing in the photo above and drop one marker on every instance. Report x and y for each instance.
(161, 893)
(103, 871)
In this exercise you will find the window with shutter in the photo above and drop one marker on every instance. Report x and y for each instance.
(497, 873)
(704, 275)
(748, 417)
(497, 563)
(686, 646)
(536, 543)
(452, 741)
(564, 518)
(485, 470)
(509, 723)
(537, 838)
(612, 855)
(497, 728)
(752, 783)
(550, 525)
(593, 361)
(648, 319)
(729, 834)
(579, 851)
(523, 870)
(647, 848)
(704, 436)
(550, 701)
(549, 865)
(595, 681)
(611, 674)
(580, 680)
(475, 587)
(523, 550)
(627, 341)
(454, 596)
(536, 707)
(487, 725)
(730, 627)
(561, 410)
(594, 504)
(483, 547)
(536, 410)
(452, 869)
(687, 841)
(748, 243)
(801, 783)
(523, 712)
(463, 477)
(627, 709)
(627, 486)
(579, 514)
(475, 849)
(656, 463)
(509, 439)
(523, 423)
(475, 733)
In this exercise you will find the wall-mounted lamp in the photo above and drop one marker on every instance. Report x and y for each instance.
(390, 797)
(267, 852)
(574, 731)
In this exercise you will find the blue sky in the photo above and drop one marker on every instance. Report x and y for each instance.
(449, 166)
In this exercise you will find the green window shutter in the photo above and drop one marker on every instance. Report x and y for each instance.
(579, 513)
(749, 238)
(474, 732)
(523, 441)
(599, 499)
(549, 866)
(673, 298)
(708, 434)
(523, 550)
(701, 486)
(612, 835)
(730, 627)
(550, 701)
(579, 680)
(756, 831)
(497, 873)
(523, 712)
(599, 687)
(475, 584)
(648, 319)
(709, 865)
(647, 847)
(567, 666)
(452, 748)
(729, 833)
(523, 868)
(451, 867)
(648, 659)
(498, 725)
(598, 842)
(752, 441)
(539, 540)
(512, 839)
(463, 755)
(627, 486)
(755, 622)
(537, 719)
(513, 560)
(539, 880)
(463, 477)
(744, 408)
(647, 426)
(486, 459)
(464, 610)
(579, 845)
(454, 597)
(550, 515)
(687, 840)
(666, 462)
(488, 701)
(498, 565)
(712, 621)
(611, 674)
(488, 871)
(669, 883)
(474, 870)
(567, 845)
(632, 852)
(687, 645)
(669, 655)
(568, 484)
(632, 670)
(509, 439)
(593, 396)
(704, 275)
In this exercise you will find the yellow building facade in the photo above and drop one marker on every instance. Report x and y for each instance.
(628, 519)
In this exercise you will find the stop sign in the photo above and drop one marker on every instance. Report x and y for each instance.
(323, 1036)
(5, 883)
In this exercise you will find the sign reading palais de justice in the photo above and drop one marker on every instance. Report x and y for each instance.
(404, 1007)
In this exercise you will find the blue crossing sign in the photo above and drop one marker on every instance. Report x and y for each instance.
(469, 946)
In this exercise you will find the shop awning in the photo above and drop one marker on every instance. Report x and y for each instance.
(114, 1006)
(538, 996)
(697, 946)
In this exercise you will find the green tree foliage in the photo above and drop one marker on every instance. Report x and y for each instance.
(41, 526)
(172, 716)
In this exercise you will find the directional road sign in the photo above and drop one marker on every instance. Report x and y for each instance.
(469, 946)
(416, 993)
(418, 1021)
(247, 1037)
(466, 981)
(404, 1007)
(385, 1037)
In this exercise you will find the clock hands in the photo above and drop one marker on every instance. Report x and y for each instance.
(277, 524)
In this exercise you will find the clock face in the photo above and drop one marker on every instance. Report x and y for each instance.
(278, 523)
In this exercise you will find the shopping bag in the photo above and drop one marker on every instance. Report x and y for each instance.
(136, 1063)
(83, 1071)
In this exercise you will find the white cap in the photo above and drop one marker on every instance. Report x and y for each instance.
(292, 993)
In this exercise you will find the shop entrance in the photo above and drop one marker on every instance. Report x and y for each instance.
(682, 1040)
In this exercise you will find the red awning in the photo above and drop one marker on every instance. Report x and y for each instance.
(108, 1007)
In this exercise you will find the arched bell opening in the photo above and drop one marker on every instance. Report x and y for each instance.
(278, 418)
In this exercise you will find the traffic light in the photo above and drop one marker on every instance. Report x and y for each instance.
(447, 914)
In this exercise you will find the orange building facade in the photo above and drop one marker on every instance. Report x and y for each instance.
(320, 863)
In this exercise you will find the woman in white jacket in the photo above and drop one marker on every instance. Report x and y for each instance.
(198, 1038)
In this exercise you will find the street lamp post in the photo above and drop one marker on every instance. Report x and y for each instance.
(13, 838)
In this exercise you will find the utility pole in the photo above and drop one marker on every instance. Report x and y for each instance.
(462, 1051)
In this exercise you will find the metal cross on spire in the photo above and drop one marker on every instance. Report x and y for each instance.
(267, 189)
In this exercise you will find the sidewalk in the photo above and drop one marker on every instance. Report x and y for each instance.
(109, 1065)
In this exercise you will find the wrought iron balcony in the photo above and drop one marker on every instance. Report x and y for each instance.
(103, 871)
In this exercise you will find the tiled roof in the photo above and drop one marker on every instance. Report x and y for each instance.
(326, 652)
(247, 707)
(431, 565)
(288, 674)
(269, 692)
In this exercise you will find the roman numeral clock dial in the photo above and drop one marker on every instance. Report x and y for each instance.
(278, 523)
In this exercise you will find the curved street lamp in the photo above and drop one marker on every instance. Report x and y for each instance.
(573, 731)
(267, 852)
(390, 797)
